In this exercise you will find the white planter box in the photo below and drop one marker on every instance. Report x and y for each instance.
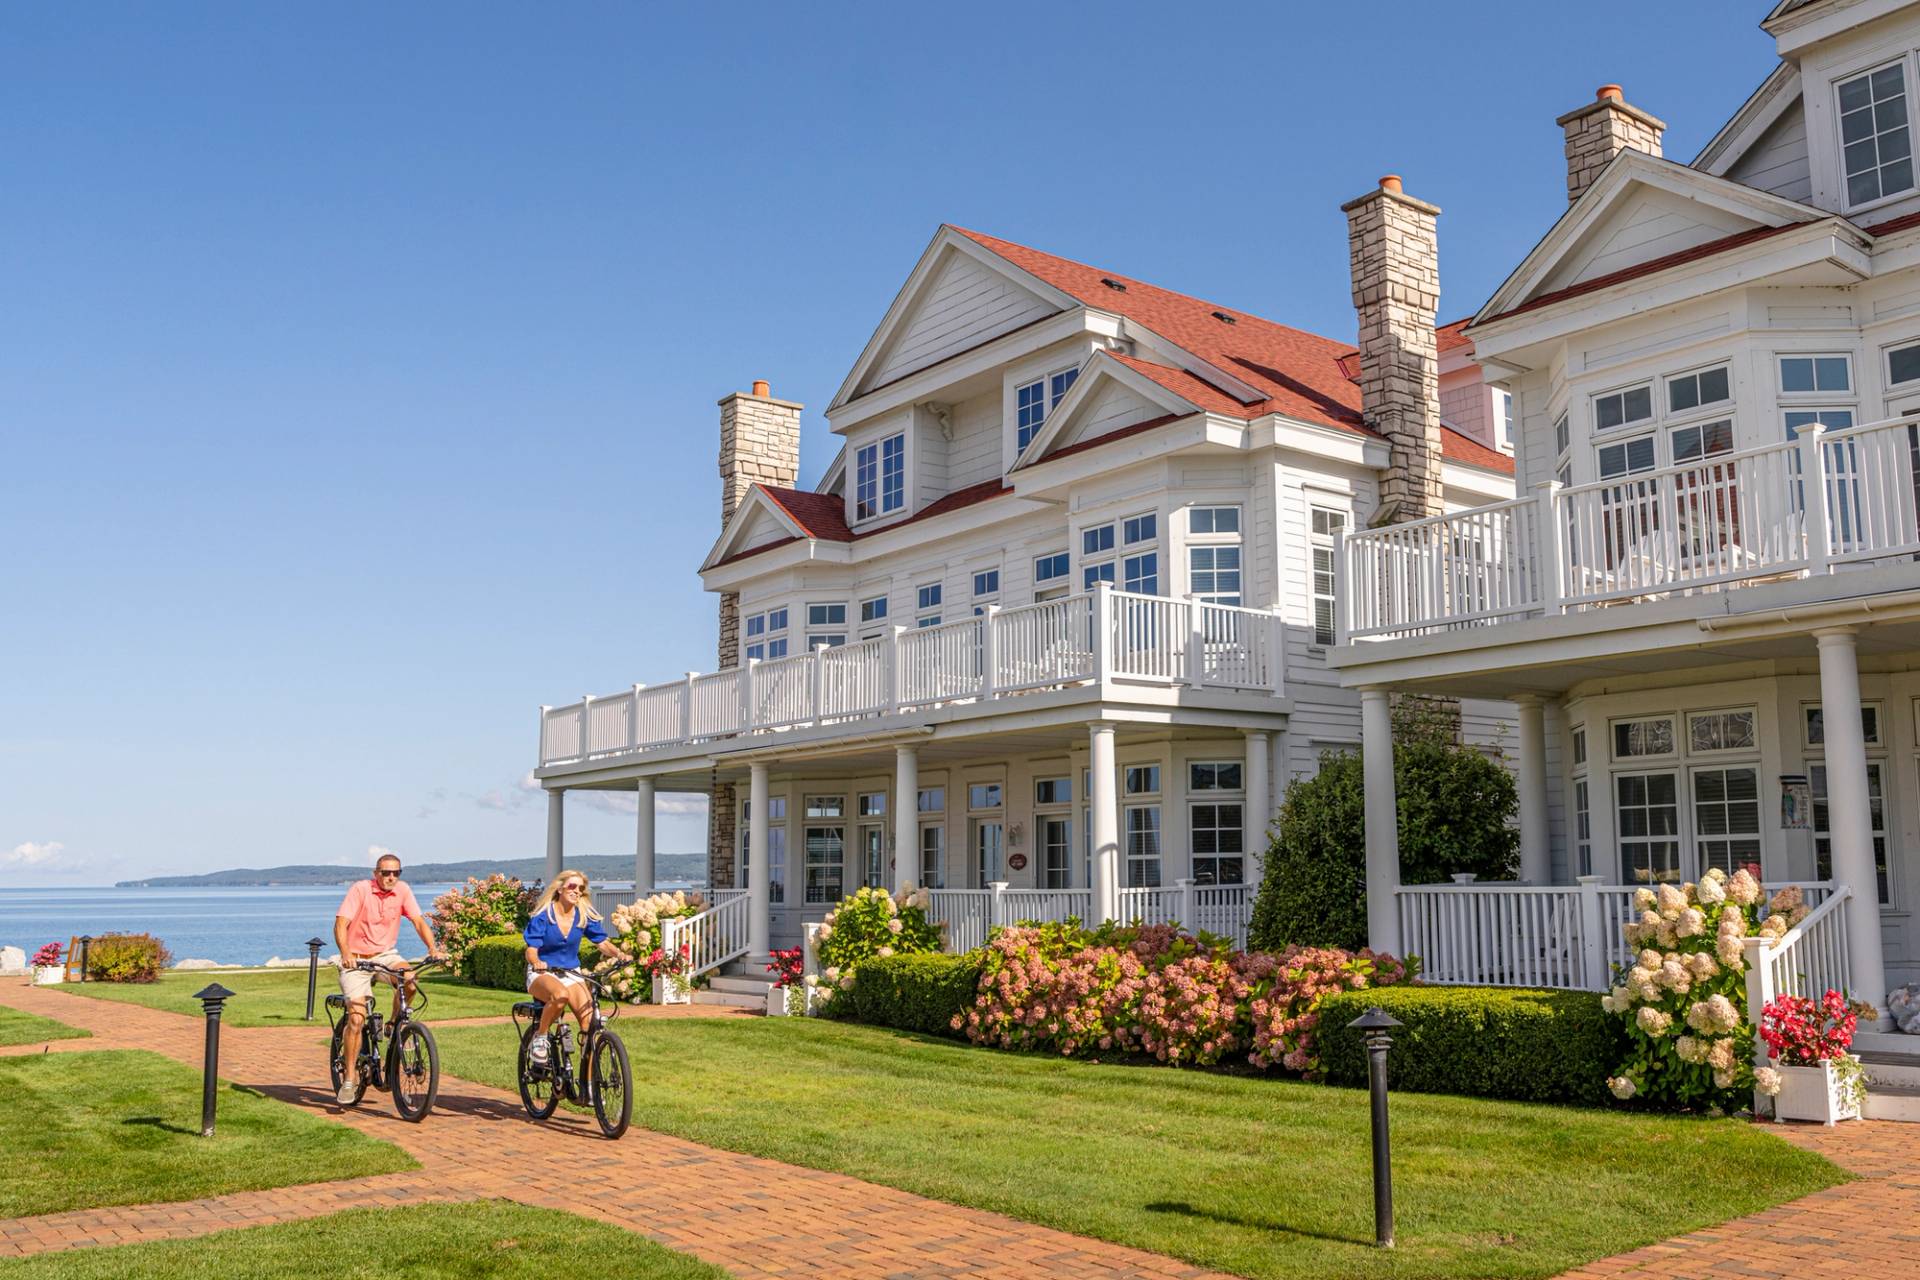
(777, 998)
(49, 975)
(1813, 1093)
(672, 991)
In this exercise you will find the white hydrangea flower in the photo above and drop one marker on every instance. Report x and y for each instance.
(894, 925)
(1653, 1021)
(1689, 1049)
(1649, 959)
(1692, 922)
(1720, 1056)
(1723, 1079)
(1671, 899)
(1710, 891)
(1644, 900)
(1743, 888)
(1622, 1086)
(1767, 1081)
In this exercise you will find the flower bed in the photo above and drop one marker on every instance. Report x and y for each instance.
(869, 924)
(1813, 1076)
(638, 928)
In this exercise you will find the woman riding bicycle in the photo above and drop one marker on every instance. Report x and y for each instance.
(561, 917)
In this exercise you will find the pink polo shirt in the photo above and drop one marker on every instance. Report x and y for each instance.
(373, 916)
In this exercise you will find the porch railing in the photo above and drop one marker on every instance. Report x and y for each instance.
(1829, 499)
(971, 914)
(1810, 959)
(712, 938)
(1101, 636)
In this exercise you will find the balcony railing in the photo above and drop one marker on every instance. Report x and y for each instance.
(1796, 509)
(1101, 636)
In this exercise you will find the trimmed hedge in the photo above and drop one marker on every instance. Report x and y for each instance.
(1527, 1045)
(501, 961)
(913, 993)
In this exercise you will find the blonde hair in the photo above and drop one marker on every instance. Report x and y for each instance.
(544, 903)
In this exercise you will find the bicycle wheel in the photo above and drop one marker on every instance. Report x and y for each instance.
(337, 1067)
(612, 1096)
(538, 1091)
(414, 1071)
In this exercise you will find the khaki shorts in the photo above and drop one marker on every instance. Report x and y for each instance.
(357, 984)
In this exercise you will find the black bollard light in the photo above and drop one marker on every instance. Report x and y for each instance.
(210, 998)
(86, 944)
(313, 971)
(1375, 1023)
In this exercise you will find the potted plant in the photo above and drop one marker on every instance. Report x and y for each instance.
(47, 969)
(1813, 1077)
(669, 974)
(787, 995)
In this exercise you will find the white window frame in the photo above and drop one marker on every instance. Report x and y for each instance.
(1700, 839)
(1625, 425)
(822, 633)
(1636, 761)
(873, 610)
(1208, 791)
(1323, 584)
(927, 607)
(1874, 742)
(1817, 394)
(1211, 542)
(987, 577)
(760, 640)
(1887, 352)
(1678, 837)
(880, 477)
(1053, 585)
(1841, 176)
(1504, 427)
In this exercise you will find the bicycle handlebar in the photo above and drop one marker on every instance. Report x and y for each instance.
(374, 966)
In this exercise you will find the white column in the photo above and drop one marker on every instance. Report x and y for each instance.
(1258, 774)
(556, 831)
(643, 839)
(1536, 850)
(759, 895)
(1383, 821)
(906, 817)
(1850, 822)
(1104, 821)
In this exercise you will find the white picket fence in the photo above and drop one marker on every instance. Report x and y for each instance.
(972, 914)
(1099, 636)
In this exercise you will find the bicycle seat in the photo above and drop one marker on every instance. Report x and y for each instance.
(336, 1001)
(528, 1008)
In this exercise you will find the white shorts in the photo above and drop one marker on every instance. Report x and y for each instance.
(357, 984)
(569, 979)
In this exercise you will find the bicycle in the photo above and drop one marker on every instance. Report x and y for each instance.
(410, 1064)
(604, 1075)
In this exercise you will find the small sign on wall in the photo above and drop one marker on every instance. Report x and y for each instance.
(1796, 802)
(1017, 861)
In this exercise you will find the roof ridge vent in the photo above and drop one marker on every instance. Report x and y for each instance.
(1111, 283)
(1224, 318)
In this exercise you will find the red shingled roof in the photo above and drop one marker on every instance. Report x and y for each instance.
(1649, 267)
(1449, 336)
(823, 516)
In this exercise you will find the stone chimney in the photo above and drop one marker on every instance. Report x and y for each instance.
(1395, 252)
(759, 444)
(1601, 130)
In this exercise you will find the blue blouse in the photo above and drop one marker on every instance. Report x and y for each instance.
(562, 950)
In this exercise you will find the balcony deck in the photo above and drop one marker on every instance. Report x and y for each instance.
(1096, 639)
(1829, 502)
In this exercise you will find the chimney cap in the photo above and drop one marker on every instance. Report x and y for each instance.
(1391, 182)
(1609, 92)
(763, 388)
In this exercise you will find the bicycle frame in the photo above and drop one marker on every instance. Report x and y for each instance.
(379, 1037)
(576, 1090)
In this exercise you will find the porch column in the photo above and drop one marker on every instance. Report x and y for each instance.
(1103, 824)
(556, 831)
(1383, 821)
(759, 839)
(906, 818)
(1536, 850)
(643, 839)
(1850, 822)
(1259, 812)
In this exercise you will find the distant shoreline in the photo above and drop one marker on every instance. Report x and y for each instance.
(671, 866)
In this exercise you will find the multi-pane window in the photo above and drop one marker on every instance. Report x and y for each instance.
(776, 849)
(1142, 779)
(1822, 831)
(1810, 375)
(1137, 529)
(1213, 554)
(1141, 573)
(1096, 541)
(1096, 555)
(1326, 523)
(871, 612)
(932, 800)
(1726, 818)
(1704, 440)
(933, 856)
(873, 839)
(1647, 821)
(1562, 435)
(1582, 829)
(1057, 385)
(1698, 390)
(826, 625)
(927, 605)
(1580, 746)
(1903, 364)
(1720, 731)
(1222, 520)
(986, 589)
(765, 635)
(984, 795)
(880, 477)
(1649, 737)
(1056, 850)
(1626, 457)
(1094, 574)
(1143, 846)
(1622, 408)
(825, 847)
(1831, 419)
(1214, 775)
(1216, 825)
(1876, 145)
(1816, 722)
(1050, 575)
(1503, 416)
(1051, 791)
(1030, 410)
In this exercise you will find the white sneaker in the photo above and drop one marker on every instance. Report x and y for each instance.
(537, 1051)
(348, 1094)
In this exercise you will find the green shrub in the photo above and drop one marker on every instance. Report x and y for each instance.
(502, 961)
(913, 993)
(1489, 1042)
(871, 923)
(478, 909)
(126, 957)
(1456, 807)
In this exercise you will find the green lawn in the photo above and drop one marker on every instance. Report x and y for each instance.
(1265, 1178)
(30, 1028)
(123, 1127)
(278, 997)
(488, 1240)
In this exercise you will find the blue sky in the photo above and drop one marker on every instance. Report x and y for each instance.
(358, 363)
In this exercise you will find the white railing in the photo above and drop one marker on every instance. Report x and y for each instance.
(1043, 906)
(965, 912)
(972, 914)
(1093, 638)
(1496, 935)
(713, 937)
(1224, 909)
(1799, 508)
(1809, 960)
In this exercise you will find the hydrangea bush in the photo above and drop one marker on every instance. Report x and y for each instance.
(1684, 997)
(479, 909)
(872, 922)
(636, 927)
(1286, 1011)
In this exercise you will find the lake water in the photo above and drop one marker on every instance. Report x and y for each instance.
(226, 925)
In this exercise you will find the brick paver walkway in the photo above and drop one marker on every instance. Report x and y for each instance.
(754, 1217)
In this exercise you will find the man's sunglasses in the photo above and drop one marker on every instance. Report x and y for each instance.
(387, 871)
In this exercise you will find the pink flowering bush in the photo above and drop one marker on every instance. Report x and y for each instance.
(1186, 1001)
(1802, 1032)
(479, 909)
(47, 956)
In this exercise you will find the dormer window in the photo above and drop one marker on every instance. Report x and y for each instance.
(1876, 144)
(1033, 401)
(880, 478)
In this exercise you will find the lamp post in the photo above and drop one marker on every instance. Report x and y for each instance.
(86, 944)
(211, 997)
(313, 971)
(1374, 1025)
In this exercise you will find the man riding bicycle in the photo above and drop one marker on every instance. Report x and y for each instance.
(367, 927)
